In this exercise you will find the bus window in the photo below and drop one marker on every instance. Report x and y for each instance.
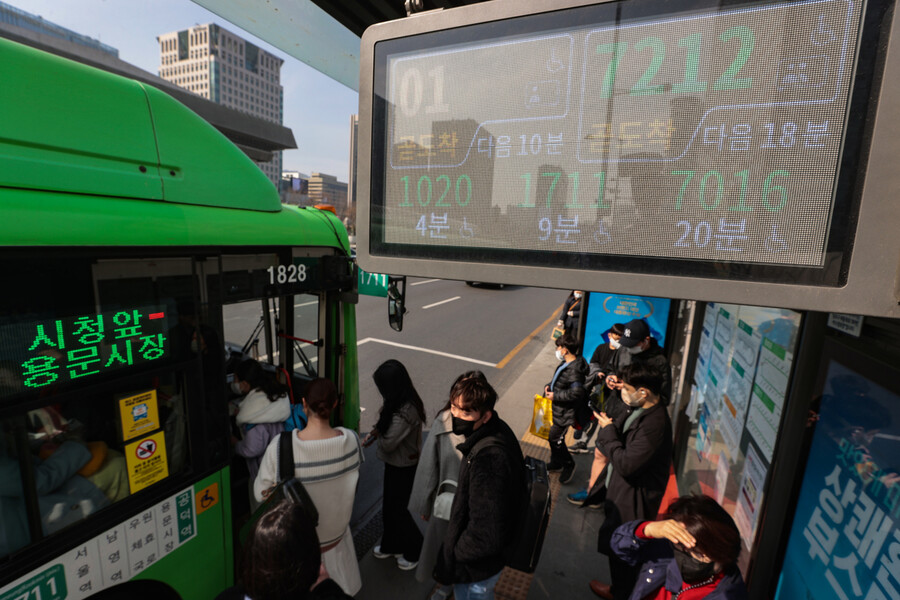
(94, 387)
(306, 330)
(14, 526)
(244, 326)
(86, 451)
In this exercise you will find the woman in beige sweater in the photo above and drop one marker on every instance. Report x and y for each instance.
(327, 461)
(399, 435)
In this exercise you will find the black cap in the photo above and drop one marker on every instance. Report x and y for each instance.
(636, 331)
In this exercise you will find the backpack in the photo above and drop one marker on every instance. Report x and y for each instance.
(297, 420)
(524, 550)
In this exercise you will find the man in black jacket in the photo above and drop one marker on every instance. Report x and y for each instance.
(569, 399)
(639, 450)
(489, 495)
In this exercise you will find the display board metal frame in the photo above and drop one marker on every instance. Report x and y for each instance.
(862, 275)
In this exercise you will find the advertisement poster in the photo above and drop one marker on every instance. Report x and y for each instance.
(845, 540)
(749, 495)
(747, 341)
(769, 390)
(606, 309)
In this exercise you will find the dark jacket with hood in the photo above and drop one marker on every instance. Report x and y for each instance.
(486, 507)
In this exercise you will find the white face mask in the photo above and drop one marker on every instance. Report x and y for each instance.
(635, 349)
(632, 400)
(195, 346)
(614, 344)
(236, 388)
(560, 355)
(578, 294)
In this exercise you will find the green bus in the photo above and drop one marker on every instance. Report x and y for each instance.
(135, 239)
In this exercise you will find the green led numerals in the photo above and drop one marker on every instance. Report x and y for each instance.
(425, 190)
(643, 87)
(711, 190)
(405, 201)
(769, 188)
(748, 40)
(617, 50)
(690, 83)
(555, 179)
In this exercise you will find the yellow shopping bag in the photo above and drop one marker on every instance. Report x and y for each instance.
(542, 419)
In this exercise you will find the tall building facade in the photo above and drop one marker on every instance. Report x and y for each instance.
(227, 69)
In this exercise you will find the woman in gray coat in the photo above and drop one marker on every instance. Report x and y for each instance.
(435, 485)
(399, 435)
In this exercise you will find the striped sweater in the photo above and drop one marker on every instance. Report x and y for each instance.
(329, 469)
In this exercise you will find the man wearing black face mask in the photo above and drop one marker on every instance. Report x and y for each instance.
(689, 555)
(640, 453)
(488, 498)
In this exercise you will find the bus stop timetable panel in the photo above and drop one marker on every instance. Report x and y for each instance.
(610, 132)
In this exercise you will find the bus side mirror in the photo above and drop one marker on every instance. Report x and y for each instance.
(396, 301)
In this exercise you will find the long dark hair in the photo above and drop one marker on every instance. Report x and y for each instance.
(282, 556)
(393, 382)
(252, 372)
(716, 534)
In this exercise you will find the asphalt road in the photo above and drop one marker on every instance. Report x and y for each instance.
(451, 328)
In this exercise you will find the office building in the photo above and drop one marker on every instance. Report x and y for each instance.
(220, 66)
(326, 189)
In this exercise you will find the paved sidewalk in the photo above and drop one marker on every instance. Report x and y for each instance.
(569, 559)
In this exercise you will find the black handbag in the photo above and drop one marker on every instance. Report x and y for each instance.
(288, 488)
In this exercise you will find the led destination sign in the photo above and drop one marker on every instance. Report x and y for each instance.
(708, 136)
(56, 351)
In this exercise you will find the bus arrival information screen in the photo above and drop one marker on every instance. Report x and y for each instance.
(714, 135)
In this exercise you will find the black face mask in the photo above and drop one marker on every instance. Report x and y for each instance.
(692, 570)
(462, 427)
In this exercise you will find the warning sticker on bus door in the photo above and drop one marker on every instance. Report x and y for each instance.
(138, 414)
(146, 460)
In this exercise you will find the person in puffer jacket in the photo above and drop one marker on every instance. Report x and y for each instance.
(261, 414)
(568, 395)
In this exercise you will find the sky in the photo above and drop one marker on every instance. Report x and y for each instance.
(316, 108)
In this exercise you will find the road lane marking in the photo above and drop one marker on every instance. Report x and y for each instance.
(306, 304)
(441, 302)
(528, 338)
(427, 350)
(426, 281)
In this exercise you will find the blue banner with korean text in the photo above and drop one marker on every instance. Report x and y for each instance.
(845, 539)
(606, 309)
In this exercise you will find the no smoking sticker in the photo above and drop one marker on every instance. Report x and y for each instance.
(146, 459)
(145, 449)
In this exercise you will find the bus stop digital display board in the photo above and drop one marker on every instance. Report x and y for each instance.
(718, 141)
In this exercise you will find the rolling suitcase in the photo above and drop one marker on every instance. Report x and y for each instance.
(536, 515)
